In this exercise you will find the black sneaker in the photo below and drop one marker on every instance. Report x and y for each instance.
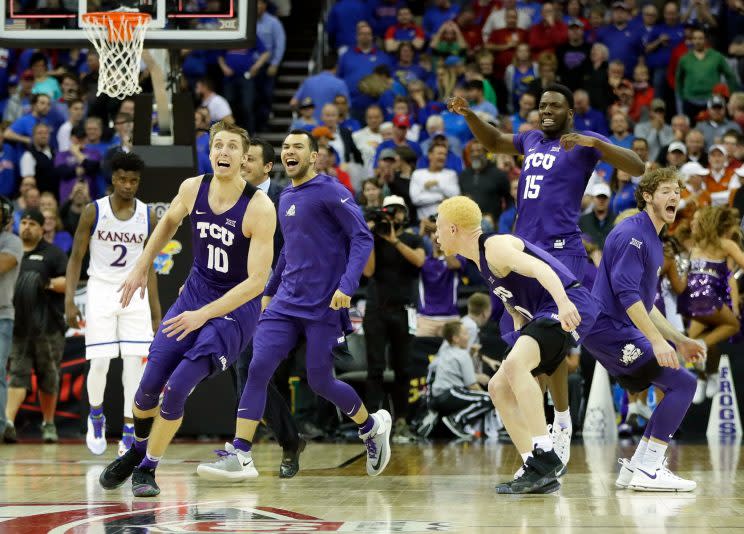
(9, 434)
(540, 470)
(143, 483)
(458, 429)
(118, 471)
(550, 487)
(291, 461)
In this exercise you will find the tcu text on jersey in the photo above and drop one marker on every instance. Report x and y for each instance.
(215, 231)
(537, 159)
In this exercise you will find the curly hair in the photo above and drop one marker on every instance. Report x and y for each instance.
(652, 180)
(711, 224)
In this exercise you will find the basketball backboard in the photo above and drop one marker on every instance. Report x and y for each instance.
(175, 23)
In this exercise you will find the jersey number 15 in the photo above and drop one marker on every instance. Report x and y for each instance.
(532, 186)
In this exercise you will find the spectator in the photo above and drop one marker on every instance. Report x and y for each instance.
(404, 31)
(587, 118)
(356, 64)
(547, 69)
(477, 101)
(218, 106)
(623, 192)
(384, 14)
(596, 79)
(341, 139)
(202, 123)
(75, 115)
(658, 45)
(694, 194)
(401, 123)
(437, 15)
(597, 223)
(407, 69)
(680, 127)
(30, 199)
(643, 94)
(695, 143)
(371, 197)
(620, 136)
(122, 139)
(80, 163)
(717, 123)
(700, 13)
(38, 160)
(676, 155)
(38, 334)
(722, 180)
(7, 166)
(509, 215)
(527, 104)
(457, 392)
(453, 161)
(19, 204)
(435, 127)
(343, 18)
(573, 57)
(623, 42)
(344, 120)
(19, 102)
(327, 164)
(60, 111)
(519, 75)
(306, 120)
(471, 30)
(73, 206)
(270, 32)
(479, 313)
(369, 138)
(240, 68)
(54, 233)
(43, 83)
(677, 53)
(734, 143)
(11, 255)
(321, 88)
(503, 42)
(498, 19)
(654, 130)
(548, 34)
(485, 183)
(399, 182)
(438, 281)
(429, 187)
(640, 147)
(393, 269)
(448, 42)
(698, 71)
(21, 130)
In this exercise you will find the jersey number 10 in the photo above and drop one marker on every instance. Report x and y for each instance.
(217, 259)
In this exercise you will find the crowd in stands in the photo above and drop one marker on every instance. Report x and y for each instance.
(662, 78)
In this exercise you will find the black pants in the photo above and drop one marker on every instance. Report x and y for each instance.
(466, 404)
(382, 327)
(277, 414)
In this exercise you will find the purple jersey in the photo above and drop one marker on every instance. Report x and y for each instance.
(529, 298)
(551, 186)
(326, 246)
(707, 288)
(438, 288)
(219, 247)
(632, 259)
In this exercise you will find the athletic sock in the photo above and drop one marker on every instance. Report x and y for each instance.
(149, 462)
(562, 419)
(367, 426)
(95, 413)
(127, 429)
(654, 456)
(639, 453)
(242, 445)
(140, 446)
(542, 442)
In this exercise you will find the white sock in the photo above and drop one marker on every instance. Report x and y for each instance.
(562, 419)
(640, 451)
(542, 442)
(654, 456)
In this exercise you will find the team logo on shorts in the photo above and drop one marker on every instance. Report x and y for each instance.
(630, 354)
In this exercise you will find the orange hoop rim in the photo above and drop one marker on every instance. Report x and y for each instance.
(117, 22)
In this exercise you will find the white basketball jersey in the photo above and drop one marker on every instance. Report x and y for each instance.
(115, 244)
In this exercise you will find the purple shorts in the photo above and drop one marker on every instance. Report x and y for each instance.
(222, 339)
(622, 350)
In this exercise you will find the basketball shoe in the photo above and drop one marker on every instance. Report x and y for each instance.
(143, 483)
(233, 465)
(660, 480)
(377, 442)
(561, 438)
(95, 438)
(626, 473)
(118, 471)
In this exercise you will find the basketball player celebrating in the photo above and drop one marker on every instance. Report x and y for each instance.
(557, 166)
(542, 297)
(215, 315)
(115, 228)
(326, 246)
(630, 336)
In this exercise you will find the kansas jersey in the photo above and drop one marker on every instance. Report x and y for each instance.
(116, 244)
(551, 186)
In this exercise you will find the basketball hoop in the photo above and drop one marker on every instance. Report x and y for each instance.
(118, 37)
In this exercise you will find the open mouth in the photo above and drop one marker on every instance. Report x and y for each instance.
(291, 164)
(671, 210)
(223, 164)
(548, 122)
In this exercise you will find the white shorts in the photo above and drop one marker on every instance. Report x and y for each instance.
(111, 330)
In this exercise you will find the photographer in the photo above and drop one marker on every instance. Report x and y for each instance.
(393, 269)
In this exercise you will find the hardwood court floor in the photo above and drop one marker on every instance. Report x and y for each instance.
(426, 488)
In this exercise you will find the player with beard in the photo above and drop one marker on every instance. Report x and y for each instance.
(326, 246)
(630, 335)
(216, 313)
(557, 166)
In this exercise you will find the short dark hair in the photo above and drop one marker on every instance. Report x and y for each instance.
(207, 82)
(450, 330)
(312, 140)
(75, 101)
(267, 150)
(478, 303)
(474, 84)
(562, 89)
(36, 57)
(36, 96)
(641, 140)
(383, 70)
(78, 132)
(127, 161)
(330, 60)
(407, 154)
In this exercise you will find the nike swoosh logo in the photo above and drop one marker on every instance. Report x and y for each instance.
(653, 477)
(228, 318)
(200, 212)
(343, 200)
(376, 466)
(242, 409)
(249, 462)
(351, 412)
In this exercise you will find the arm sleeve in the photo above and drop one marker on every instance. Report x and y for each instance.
(276, 276)
(28, 165)
(518, 141)
(350, 219)
(627, 271)
(280, 43)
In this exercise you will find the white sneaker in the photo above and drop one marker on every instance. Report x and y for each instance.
(377, 442)
(626, 474)
(699, 397)
(233, 466)
(561, 438)
(95, 438)
(661, 480)
(711, 386)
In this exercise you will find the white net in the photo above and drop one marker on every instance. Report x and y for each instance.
(118, 38)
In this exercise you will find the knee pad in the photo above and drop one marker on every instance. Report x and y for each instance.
(142, 427)
(174, 401)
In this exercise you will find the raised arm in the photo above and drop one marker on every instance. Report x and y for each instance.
(75, 263)
(490, 136)
(617, 156)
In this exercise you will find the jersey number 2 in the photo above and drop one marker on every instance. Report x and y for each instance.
(217, 259)
(120, 261)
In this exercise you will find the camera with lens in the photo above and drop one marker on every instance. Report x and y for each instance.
(383, 220)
